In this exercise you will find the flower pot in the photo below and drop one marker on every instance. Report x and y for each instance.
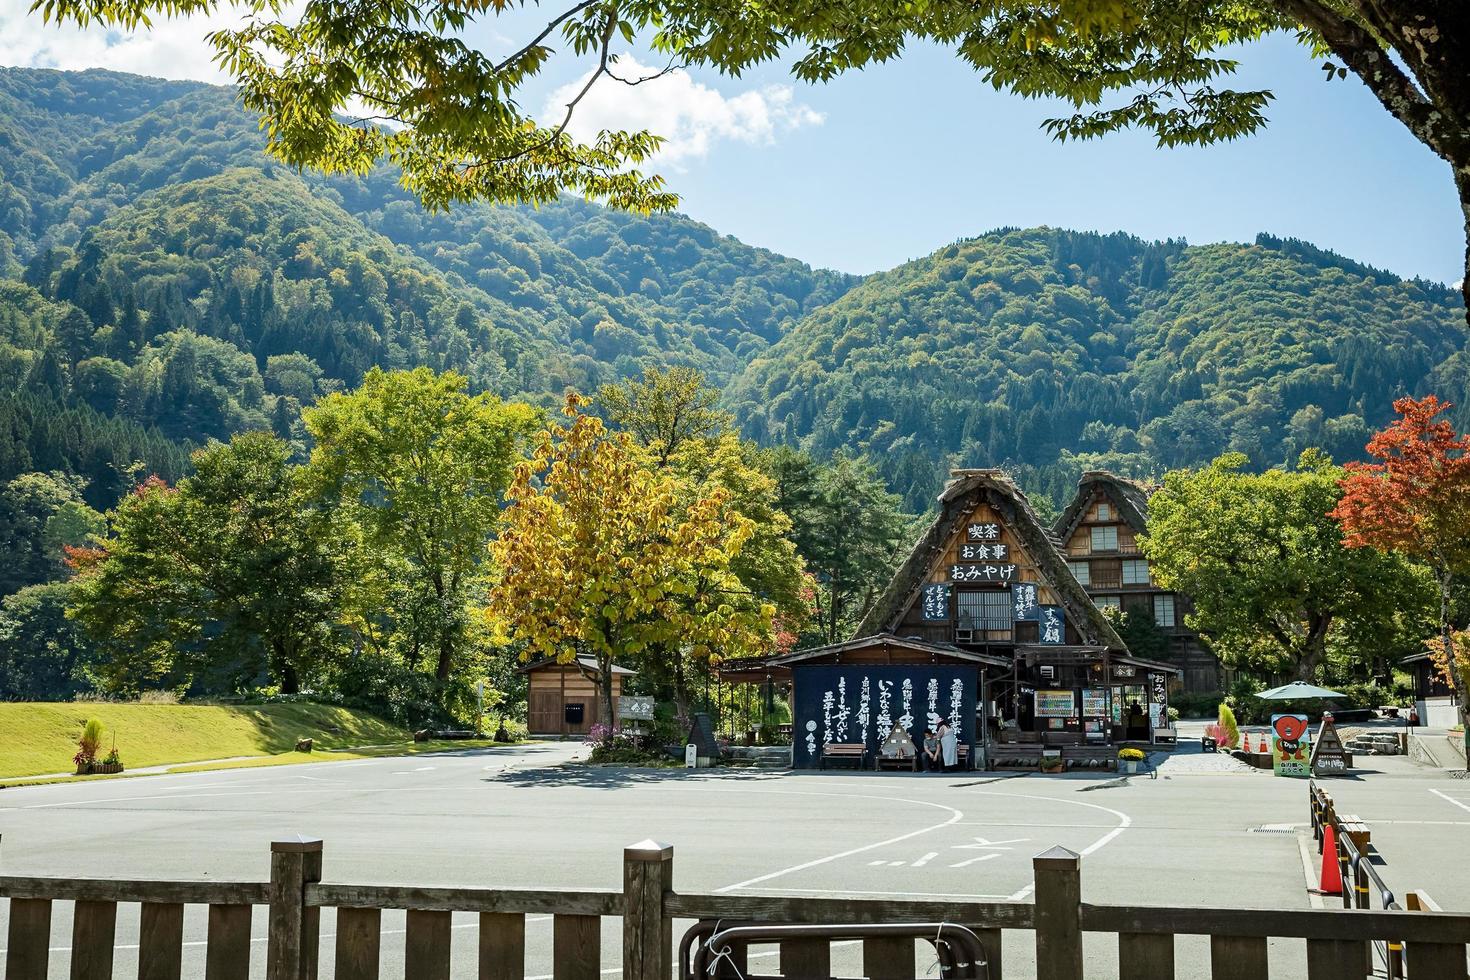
(108, 767)
(1130, 765)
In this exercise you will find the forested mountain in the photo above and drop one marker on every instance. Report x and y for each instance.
(1049, 351)
(163, 283)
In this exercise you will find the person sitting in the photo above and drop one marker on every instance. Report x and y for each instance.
(929, 758)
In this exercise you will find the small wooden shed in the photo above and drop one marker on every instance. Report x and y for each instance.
(566, 698)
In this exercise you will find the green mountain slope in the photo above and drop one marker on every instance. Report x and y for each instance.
(162, 283)
(1048, 350)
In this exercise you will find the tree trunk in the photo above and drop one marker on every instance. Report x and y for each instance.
(1462, 185)
(284, 669)
(605, 682)
(1446, 636)
(446, 657)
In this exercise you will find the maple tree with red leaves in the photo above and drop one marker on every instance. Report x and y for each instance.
(1416, 501)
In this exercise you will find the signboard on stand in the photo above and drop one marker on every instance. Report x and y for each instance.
(1328, 756)
(1291, 745)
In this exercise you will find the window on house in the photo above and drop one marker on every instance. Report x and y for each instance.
(1105, 539)
(1107, 573)
(985, 609)
(1135, 572)
(1106, 602)
(1164, 610)
(1104, 511)
(1081, 571)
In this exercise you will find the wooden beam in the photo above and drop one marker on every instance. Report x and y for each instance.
(502, 946)
(160, 941)
(1058, 874)
(227, 954)
(93, 931)
(576, 947)
(29, 942)
(1238, 958)
(529, 901)
(359, 944)
(426, 945)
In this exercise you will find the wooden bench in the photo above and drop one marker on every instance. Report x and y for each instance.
(854, 751)
(881, 762)
(1089, 756)
(1015, 756)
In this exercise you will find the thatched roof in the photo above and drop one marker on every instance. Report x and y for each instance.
(966, 490)
(1129, 496)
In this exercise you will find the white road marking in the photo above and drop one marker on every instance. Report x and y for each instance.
(981, 844)
(848, 891)
(926, 859)
(1451, 799)
(410, 772)
(956, 815)
(897, 864)
(1124, 822)
(969, 861)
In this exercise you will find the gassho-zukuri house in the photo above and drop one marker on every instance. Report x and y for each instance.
(983, 626)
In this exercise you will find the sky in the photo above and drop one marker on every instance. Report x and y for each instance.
(889, 164)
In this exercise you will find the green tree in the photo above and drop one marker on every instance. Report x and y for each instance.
(602, 554)
(44, 655)
(423, 466)
(664, 410)
(341, 87)
(229, 576)
(40, 514)
(850, 536)
(1265, 566)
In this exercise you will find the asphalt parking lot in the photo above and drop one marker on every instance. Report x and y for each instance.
(520, 817)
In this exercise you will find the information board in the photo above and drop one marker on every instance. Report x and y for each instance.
(635, 708)
(982, 573)
(1055, 704)
(984, 552)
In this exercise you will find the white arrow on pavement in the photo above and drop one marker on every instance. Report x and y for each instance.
(983, 857)
(981, 844)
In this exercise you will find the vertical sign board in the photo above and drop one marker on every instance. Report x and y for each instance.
(1053, 625)
(1024, 603)
(1328, 756)
(1158, 708)
(934, 602)
(1291, 746)
(861, 702)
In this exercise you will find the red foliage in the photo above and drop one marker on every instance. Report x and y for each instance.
(154, 482)
(81, 557)
(1416, 499)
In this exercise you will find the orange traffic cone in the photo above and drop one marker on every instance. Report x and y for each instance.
(1245, 742)
(1331, 872)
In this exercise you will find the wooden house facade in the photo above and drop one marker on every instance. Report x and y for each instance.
(565, 699)
(988, 576)
(1099, 531)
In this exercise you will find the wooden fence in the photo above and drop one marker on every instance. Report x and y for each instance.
(1337, 941)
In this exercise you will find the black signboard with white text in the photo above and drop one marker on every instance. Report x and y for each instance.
(999, 574)
(934, 601)
(861, 703)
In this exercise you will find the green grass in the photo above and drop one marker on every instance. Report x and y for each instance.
(41, 738)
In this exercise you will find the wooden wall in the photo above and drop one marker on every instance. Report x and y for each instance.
(553, 687)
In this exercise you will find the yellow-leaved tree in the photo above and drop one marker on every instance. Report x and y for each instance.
(600, 554)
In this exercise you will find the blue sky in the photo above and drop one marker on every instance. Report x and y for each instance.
(889, 164)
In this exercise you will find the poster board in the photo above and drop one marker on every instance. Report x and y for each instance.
(1291, 746)
(1055, 703)
(847, 703)
(635, 708)
(1329, 758)
(934, 602)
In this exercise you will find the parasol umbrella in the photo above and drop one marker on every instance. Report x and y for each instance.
(1298, 690)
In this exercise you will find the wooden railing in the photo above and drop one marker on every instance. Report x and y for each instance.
(1433, 942)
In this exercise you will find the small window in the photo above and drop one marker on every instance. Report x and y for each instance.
(1104, 511)
(1106, 602)
(1135, 572)
(1163, 610)
(985, 609)
(1105, 539)
(1081, 571)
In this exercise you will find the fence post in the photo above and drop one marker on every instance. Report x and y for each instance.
(293, 939)
(648, 872)
(1058, 914)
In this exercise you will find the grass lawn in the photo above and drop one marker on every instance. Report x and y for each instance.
(40, 738)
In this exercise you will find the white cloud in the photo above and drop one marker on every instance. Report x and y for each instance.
(688, 114)
(173, 48)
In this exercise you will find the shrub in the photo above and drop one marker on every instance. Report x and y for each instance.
(1229, 731)
(158, 697)
(1131, 755)
(88, 744)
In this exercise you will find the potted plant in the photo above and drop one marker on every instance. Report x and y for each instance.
(1129, 759)
(87, 745)
(113, 762)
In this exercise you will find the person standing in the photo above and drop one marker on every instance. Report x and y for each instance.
(949, 747)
